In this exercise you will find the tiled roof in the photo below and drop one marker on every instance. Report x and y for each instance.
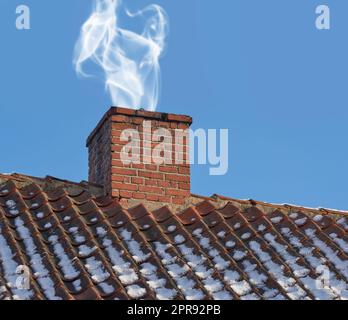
(78, 245)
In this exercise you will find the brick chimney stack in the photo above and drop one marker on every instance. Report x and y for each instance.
(156, 146)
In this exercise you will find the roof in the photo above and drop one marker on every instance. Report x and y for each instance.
(79, 244)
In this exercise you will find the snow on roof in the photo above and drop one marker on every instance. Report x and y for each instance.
(77, 246)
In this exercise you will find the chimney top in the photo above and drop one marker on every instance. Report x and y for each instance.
(148, 115)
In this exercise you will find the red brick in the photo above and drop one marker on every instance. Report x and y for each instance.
(151, 167)
(126, 194)
(174, 177)
(184, 170)
(128, 172)
(120, 118)
(117, 141)
(117, 147)
(138, 195)
(179, 118)
(184, 186)
(177, 192)
(163, 124)
(166, 199)
(125, 111)
(115, 193)
(118, 163)
(183, 126)
(150, 189)
(123, 186)
(138, 166)
(152, 197)
(168, 169)
(123, 126)
(150, 182)
(164, 184)
(151, 175)
(137, 180)
(117, 178)
(137, 121)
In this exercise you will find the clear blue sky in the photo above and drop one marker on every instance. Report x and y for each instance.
(258, 68)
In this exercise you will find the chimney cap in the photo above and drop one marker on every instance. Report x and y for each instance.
(150, 115)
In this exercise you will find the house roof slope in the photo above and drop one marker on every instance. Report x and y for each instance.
(75, 243)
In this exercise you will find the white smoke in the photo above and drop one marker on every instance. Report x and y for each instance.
(130, 61)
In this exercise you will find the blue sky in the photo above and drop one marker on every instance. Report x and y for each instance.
(259, 68)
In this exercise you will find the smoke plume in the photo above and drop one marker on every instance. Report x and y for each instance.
(128, 60)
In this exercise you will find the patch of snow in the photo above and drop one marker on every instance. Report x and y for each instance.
(277, 219)
(73, 230)
(246, 236)
(301, 222)
(204, 242)
(126, 274)
(68, 269)
(4, 191)
(101, 232)
(177, 271)
(157, 284)
(230, 244)
(318, 218)
(343, 222)
(107, 288)
(222, 295)
(179, 239)
(34, 206)
(36, 261)
(96, 269)
(293, 290)
(293, 215)
(12, 207)
(340, 242)
(147, 269)
(258, 279)
(261, 228)
(237, 226)
(40, 215)
(79, 239)
(77, 285)
(135, 291)
(250, 297)
(171, 228)
(9, 267)
(238, 285)
(239, 255)
(165, 294)
(212, 285)
(302, 273)
(329, 291)
(85, 251)
(134, 247)
(221, 234)
(329, 253)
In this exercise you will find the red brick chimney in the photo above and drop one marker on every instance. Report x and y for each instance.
(159, 171)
